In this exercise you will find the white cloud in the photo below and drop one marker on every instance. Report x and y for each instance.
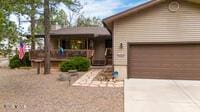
(24, 24)
(100, 8)
(105, 8)
(96, 8)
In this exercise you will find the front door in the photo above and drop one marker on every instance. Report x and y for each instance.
(63, 44)
(108, 43)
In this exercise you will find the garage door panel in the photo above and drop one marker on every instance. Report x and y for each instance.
(166, 70)
(164, 56)
(164, 61)
(167, 74)
(170, 61)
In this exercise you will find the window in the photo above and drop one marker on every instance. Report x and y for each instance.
(77, 44)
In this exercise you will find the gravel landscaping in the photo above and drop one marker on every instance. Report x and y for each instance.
(21, 90)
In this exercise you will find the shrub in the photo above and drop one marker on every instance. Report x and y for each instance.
(67, 65)
(26, 61)
(83, 64)
(75, 63)
(15, 62)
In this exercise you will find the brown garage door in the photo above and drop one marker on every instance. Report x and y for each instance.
(164, 61)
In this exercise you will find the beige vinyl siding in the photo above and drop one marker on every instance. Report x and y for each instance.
(156, 24)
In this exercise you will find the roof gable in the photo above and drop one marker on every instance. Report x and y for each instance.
(108, 22)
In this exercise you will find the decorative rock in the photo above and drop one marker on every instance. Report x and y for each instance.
(64, 77)
(74, 74)
(72, 71)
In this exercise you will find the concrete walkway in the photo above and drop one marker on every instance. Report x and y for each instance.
(143, 95)
(87, 80)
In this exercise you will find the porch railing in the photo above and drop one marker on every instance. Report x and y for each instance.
(108, 52)
(56, 54)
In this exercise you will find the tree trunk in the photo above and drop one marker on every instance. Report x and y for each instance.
(47, 37)
(33, 10)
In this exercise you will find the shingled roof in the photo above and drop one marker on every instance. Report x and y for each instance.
(100, 31)
(94, 31)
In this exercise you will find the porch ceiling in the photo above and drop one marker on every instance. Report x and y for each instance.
(80, 36)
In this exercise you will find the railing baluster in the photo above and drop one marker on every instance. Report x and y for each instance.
(39, 54)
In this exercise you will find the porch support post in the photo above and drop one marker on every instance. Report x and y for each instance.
(87, 47)
(59, 45)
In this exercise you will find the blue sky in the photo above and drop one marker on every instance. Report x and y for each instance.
(99, 8)
(105, 8)
(128, 4)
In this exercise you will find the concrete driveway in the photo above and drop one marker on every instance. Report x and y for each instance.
(145, 95)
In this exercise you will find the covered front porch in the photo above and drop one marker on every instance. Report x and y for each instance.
(96, 46)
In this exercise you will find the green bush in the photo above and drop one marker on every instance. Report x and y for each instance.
(26, 61)
(15, 62)
(83, 64)
(75, 63)
(67, 65)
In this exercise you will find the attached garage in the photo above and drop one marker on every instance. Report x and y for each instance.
(164, 61)
(159, 39)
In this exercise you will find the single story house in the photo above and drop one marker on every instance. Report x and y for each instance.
(94, 43)
(158, 39)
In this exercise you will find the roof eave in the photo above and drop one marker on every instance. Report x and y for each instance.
(107, 27)
(109, 20)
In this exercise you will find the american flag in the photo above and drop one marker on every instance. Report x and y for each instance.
(21, 51)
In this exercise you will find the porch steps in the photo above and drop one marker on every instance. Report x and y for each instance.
(99, 62)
